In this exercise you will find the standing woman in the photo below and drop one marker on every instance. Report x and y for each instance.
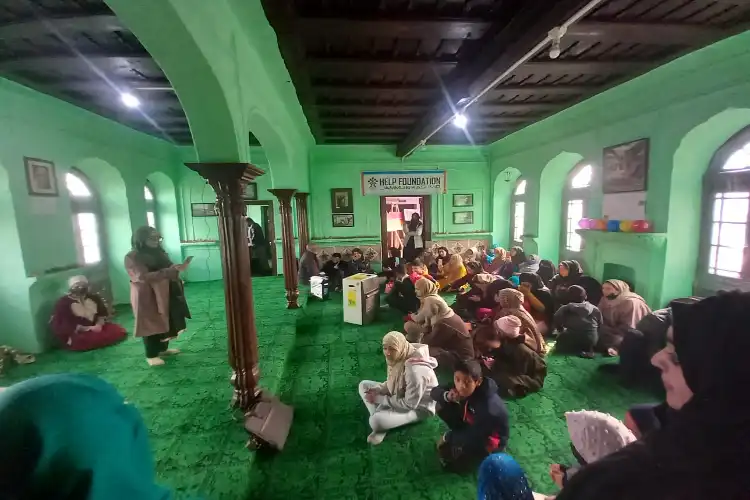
(413, 233)
(156, 294)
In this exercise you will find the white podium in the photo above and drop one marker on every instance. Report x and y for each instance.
(361, 298)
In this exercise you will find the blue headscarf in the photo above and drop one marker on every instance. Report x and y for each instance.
(70, 437)
(501, 478)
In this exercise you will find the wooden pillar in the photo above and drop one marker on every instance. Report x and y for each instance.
(229, 181)
(287, 245)
(303, 230)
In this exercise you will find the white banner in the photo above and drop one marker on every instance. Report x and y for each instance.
(397, 183)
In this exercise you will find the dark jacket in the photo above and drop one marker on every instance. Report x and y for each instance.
(518, 370)
(332, 268)
(359, 266)
(486, 415)
(582, 319)
(309, 266)
(403, 296)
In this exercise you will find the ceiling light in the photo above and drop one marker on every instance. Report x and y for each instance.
(556, 34)
(129, 100)
(460, 120)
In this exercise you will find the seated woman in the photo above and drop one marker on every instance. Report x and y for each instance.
(510, 303)
(394, 259)
(621, 310)
(404, 397)
(449, 340)
(468, 302)
(518, 258)
(335, 269)
(433, 310)
(454, 271)
(704, 370)
(578, 322)
(516, 369)
(441, 260)
(476, 416)
(530, 265)
(486, 308)
(571, 273)
(402, 296)
(546, 271)
(417, 270)
(358, 264)
(73, 436)
(80, 320)
(499, 259)
(537, 300)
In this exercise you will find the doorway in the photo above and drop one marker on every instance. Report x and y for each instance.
(394, 210)
(262, 213)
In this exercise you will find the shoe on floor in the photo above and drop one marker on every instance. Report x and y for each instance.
(155, 361)
(375, 438)
(170, 352)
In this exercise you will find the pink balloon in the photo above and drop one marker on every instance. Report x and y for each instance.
(584, 223)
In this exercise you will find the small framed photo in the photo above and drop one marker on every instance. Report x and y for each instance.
(463, 200)
(625, 167)
(342, 201)
(343, 220)
(466, 217)
(203, 209)
(251, 191)
(40, 177)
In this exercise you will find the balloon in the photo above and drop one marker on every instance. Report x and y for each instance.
(613, 226)
(584, 223)
(600, 224)
(641, 226)
(626, 226)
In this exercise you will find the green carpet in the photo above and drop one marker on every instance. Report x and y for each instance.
(313, 361)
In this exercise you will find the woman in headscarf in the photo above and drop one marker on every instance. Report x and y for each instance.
(569, 272)
(432, 310)
(81, 320)
(70, 437)
(621, 310)
(703, 450)
(156, 294)
(546, 271)
(510, 303)
(442, 256)
(414, 245)
(404, 397)
(537, 300)
(500, 258)
(454, 271)
(501, 478)
(517, 257)
(514, 366)
(530, 265)
(467, 303)
(486, 307)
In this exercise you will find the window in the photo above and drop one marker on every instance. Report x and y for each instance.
(86, 217)
(519, 211)
(148, 194)
(727, 205)
(574, 204)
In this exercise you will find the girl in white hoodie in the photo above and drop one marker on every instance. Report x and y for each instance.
(404, 397)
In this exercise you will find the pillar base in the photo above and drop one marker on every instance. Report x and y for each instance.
(291, 299)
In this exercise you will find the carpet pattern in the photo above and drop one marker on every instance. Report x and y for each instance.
(313, 361)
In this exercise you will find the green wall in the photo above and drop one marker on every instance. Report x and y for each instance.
(687, 108)
(37, 232)
(341, 166)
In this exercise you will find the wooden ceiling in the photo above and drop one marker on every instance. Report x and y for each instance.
(385, 71)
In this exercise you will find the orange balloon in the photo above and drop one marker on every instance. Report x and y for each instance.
(600, 225)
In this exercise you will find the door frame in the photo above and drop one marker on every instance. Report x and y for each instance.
(426, 221)
(270, 233)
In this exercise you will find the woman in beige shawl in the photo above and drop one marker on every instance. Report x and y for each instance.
(621, 310)
(510, 303)
(156, 294)
(432, 310)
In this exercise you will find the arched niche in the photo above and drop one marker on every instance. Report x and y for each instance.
(117, 226)
(167, 220)
(15, 313)
(690, 162)
(502, 192)
(551, 184)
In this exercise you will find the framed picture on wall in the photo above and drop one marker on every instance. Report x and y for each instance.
(40, 177)
(342, 201)
(466, 217)
(251, 191)
(463, 200)
(625, 167)
(343, 220)
(203, 209)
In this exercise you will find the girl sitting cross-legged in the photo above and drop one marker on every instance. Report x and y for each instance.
(476, 416)
(404, 397)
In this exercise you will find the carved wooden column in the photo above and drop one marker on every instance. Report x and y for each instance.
(229, 181)
(287, 245)
(303, 230)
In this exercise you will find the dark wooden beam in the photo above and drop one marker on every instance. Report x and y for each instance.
(488, 108)
(522, 34)
(98, 85)
(365, 91)
(647, 33)
(369, 109)
(337, 129)
(65, 26)
(444, 29)
(345, 65)
(57, 62)
(369, 120)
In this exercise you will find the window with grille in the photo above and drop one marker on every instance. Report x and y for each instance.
(148, 194)
(728, 212)
(519, 211)
(86, 217)
(574, 213)
(574, 204)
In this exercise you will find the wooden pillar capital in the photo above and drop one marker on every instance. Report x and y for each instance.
(287, 245)
(300, 196)
(229, 181)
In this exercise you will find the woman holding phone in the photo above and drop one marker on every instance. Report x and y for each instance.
(156, 294)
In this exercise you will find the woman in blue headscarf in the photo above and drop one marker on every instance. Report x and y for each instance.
(501, 478)
(73, 437)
